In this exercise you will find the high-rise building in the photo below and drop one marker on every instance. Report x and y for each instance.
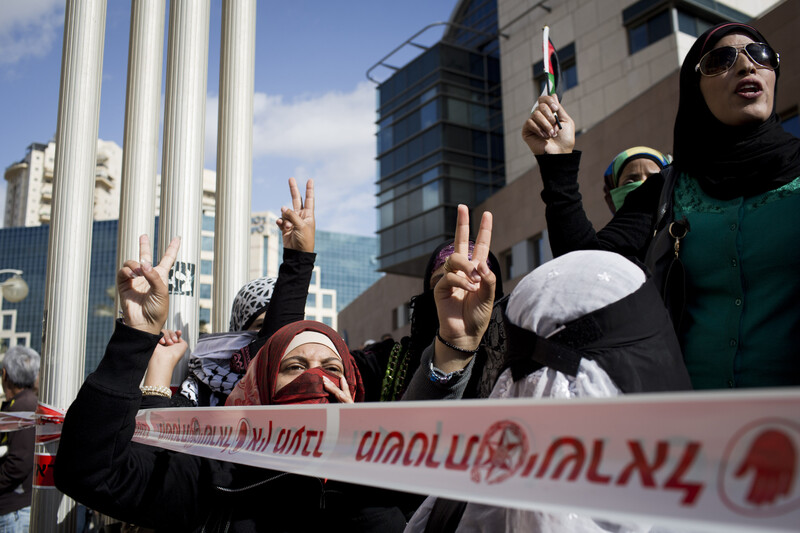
(440, 137)
(30, 184)
(29, 189)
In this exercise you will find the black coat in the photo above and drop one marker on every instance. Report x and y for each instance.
(99, 466)
(638, 231)
(16, 466)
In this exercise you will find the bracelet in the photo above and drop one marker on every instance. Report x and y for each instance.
(454, 347)
(437, 376)
(156, 390)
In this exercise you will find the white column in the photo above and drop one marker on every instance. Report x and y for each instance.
(140, 145)
(234, 156)
(69, 251)
(182, 166)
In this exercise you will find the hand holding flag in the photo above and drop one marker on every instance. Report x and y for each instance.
(552, 69)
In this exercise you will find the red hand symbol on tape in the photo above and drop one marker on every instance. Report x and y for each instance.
(773, 460)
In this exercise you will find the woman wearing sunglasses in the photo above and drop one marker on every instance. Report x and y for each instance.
(719, 228)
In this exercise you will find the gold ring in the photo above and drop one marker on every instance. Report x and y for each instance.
(447, 267)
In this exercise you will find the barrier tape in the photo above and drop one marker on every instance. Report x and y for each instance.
(721, 461)
(46, 419)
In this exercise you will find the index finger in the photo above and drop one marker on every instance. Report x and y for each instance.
(310, 195)
(297, 201)
(461, 242)
(145, 251)
(484, 239)
(171, 254)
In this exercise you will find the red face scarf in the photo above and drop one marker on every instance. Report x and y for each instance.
(257, 387)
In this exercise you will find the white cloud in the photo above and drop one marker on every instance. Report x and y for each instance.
(328, 137)
(28, 28)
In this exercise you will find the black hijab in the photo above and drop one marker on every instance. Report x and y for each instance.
(729, 161)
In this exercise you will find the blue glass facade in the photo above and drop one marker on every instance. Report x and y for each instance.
(25, 248)
(440, 138)
(347, 263)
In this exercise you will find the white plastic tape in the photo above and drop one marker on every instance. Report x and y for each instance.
(720, 460)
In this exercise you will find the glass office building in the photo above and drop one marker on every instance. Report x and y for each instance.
(25, 248)
(440, 138)
(347, 263)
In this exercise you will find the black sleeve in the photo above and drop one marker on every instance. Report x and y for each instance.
(288, 303)
(628, 233)
(99, 466)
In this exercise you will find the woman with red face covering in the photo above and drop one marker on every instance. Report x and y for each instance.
(99, 466)
(719, 228)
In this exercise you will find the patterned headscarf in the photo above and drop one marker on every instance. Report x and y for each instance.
(251, 300)
(257, 387)
(614, 170)
(209, 363)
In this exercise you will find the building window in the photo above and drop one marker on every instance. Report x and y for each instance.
(207, 244)
(205, 290)
(692, 24)
(569, 69)
(311, 300)
(205, 315)
(310, 317)
(649, 21)
(206, 268)
(649, 31)
(327, 301)
(313, 278)
(328, 321)
(525, 255)
(208, 223)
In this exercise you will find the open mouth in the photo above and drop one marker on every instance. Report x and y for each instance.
(749, 89)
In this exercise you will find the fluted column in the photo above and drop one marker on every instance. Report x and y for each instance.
(182, 166)
(69, 249)
(234, 155)
(140, 145)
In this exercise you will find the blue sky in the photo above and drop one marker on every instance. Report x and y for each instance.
(314, 109)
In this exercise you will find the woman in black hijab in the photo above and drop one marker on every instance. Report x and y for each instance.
(718, 229)
(407, 354)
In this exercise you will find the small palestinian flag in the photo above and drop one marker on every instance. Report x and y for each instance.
(551, 67)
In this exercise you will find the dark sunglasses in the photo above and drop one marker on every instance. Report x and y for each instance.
(720, 60)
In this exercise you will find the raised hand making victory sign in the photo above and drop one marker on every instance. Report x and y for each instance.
(143, 291)
(297, 224)
(464, 295)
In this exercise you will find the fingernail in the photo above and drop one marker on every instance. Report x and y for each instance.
(554, 107)
(147, 267)
(552, 133)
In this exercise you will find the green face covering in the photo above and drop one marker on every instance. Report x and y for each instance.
(618, 195)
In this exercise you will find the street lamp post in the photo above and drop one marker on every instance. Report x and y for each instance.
(14, 289)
